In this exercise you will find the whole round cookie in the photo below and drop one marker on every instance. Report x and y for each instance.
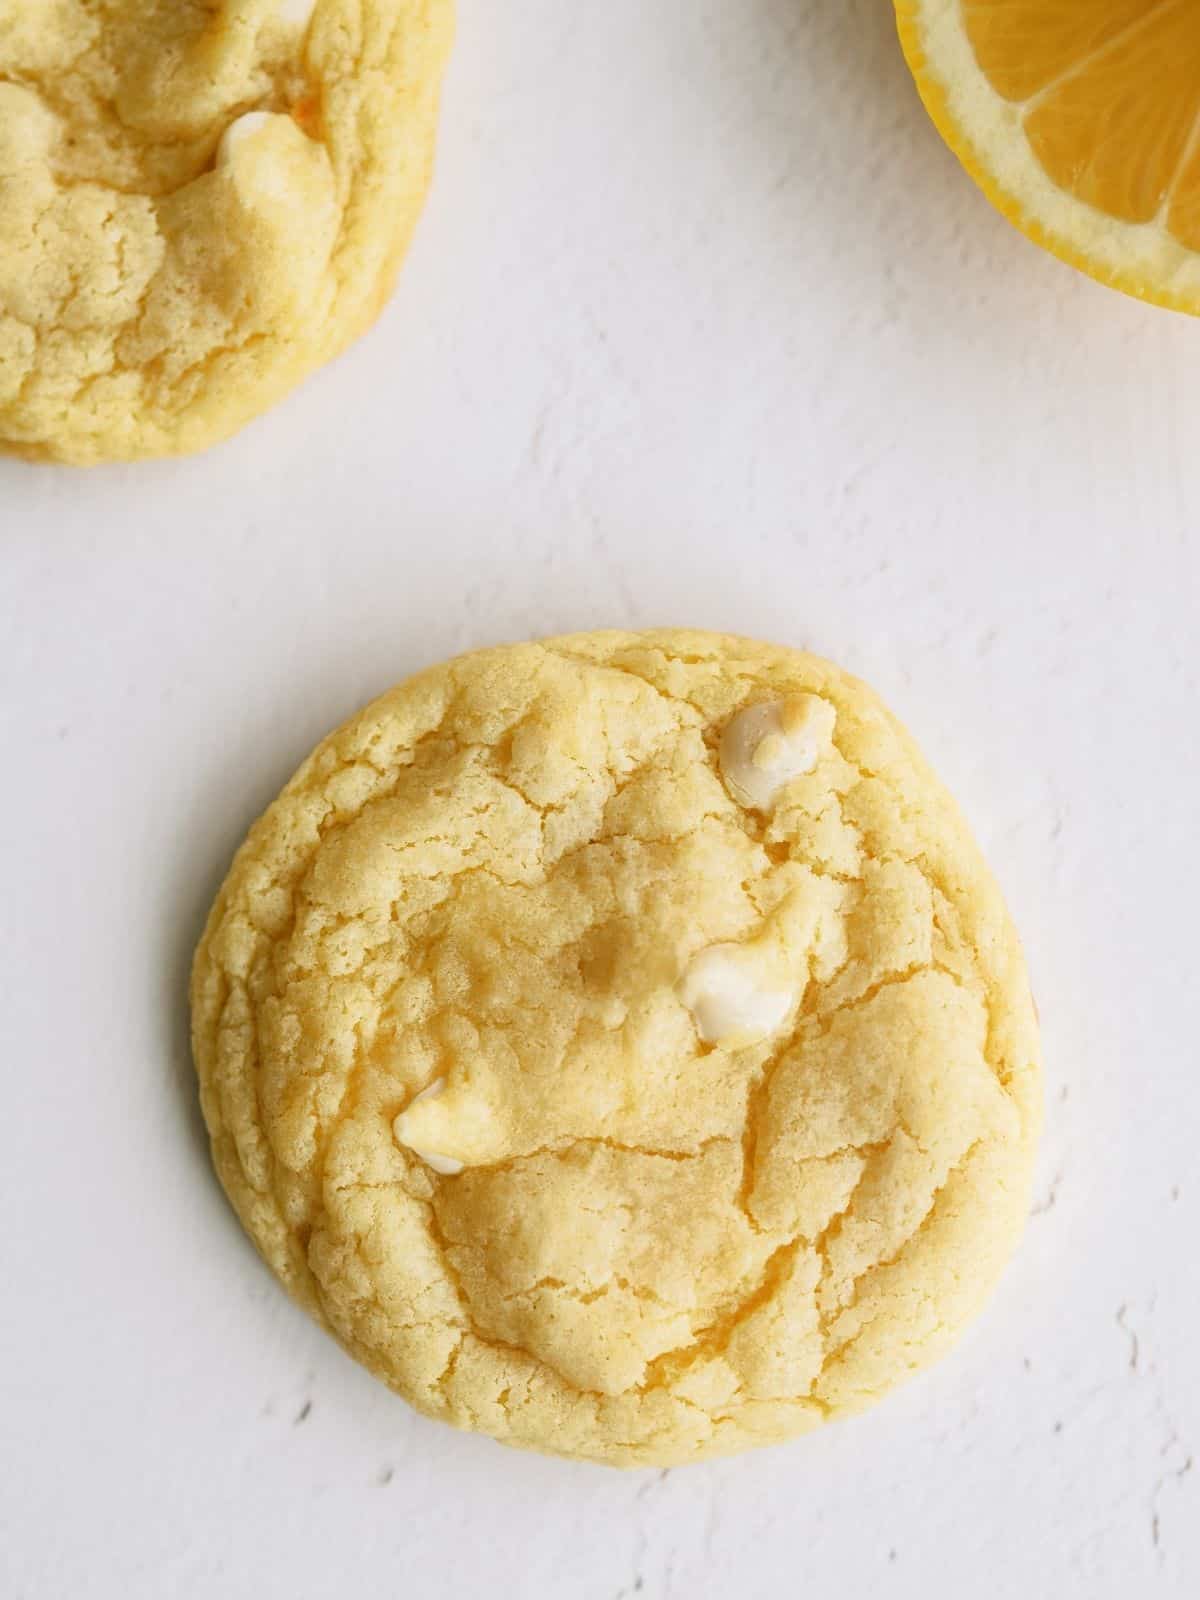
(620, 1045)
(200, 202)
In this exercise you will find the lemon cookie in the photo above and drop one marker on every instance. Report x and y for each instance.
(200, 202)
(621, 1046)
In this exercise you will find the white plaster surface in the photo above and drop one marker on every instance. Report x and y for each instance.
(702, 326)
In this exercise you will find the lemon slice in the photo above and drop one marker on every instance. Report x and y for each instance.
(1080, 120)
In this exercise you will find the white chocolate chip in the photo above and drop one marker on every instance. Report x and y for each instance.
(722, 989)
(767, 745)
(238, 131)
(297, 13)
(401, 1127)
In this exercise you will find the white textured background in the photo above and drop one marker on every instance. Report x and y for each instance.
(702, 326)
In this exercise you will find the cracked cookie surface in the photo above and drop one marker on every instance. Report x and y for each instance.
(464, 928)
(201, 201)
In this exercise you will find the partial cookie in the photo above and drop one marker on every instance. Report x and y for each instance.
(621, 1046)
(200, 202)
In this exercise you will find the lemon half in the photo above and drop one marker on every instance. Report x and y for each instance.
(1080, 120)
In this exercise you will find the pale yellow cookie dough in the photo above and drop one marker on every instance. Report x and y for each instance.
(599, 1095)
(200, 202)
